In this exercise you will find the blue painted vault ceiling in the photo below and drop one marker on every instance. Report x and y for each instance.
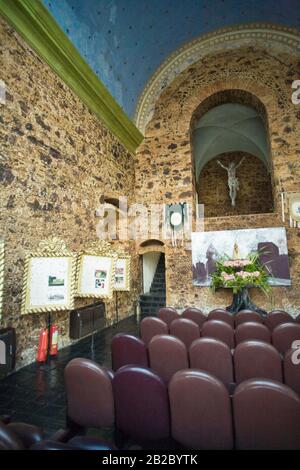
(125, 41)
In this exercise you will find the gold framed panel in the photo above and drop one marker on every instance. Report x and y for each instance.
(55, 251)
(2, 254)
(101, 258)
(127, 275)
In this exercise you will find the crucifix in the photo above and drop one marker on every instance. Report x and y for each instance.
(233, 182)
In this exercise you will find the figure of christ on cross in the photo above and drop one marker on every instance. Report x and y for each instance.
(233, 182)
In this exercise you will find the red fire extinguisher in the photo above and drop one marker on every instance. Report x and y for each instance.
(53, 340)
(43, 346)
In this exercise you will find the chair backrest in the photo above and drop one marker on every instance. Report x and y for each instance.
(200, 410)
(291, 369)
(219, 330)
(9, 440)
(266, 416)
(284, 335)
(252, 330)
(141, 403)
(90, 401)
(247, 316)
(277, 317)
(186, 330)
(297, 320)
(152, 326)
(212, 356)
(257, 359)
(168, 314)
(195, 315)
(167, 355)
(128, 349)
(223, 315)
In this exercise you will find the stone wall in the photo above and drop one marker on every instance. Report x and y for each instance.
(56, 160)
(254, 194)
(164, 164)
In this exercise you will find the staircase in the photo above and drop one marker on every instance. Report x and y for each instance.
(156, 298)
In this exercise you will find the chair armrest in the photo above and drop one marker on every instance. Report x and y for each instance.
(51, 445)
(62, 435)
(27, 433)
(90, 443)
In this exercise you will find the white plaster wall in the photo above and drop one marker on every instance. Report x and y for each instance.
(150, 261)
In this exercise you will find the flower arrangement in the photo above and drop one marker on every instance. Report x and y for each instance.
(240, 273)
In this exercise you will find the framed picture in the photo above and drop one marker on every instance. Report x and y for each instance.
(271, 243)
(122, 273)
(49, 280)
(96, 272)
(1, 274)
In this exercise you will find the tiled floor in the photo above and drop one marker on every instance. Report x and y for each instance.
(35, 394)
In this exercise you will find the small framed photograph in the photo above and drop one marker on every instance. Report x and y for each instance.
(122, 273)
(96, 273)
(49, 281)
(1, 274)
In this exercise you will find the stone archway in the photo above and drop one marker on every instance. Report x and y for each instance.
(167, 153)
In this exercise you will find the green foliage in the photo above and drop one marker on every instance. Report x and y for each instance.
(238, 274)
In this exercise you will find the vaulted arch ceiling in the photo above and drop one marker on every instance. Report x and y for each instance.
(226, 128)
(126, 41)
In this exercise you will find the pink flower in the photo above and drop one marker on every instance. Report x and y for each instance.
(237, 263)
(227, 277)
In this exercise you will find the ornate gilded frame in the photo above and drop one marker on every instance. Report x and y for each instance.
(122, 255)
(2, 254)
(50, 248)
(100, 249)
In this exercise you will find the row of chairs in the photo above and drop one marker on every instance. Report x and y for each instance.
(166, 355)
(194, 411)
(273, 319)
(282, 336)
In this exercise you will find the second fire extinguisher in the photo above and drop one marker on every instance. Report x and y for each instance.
(53, 350)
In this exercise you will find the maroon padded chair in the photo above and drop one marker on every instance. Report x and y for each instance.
(201, 411)
(245, 316)
(284, 335)
(266, 416)
(291, 369)
(90, 401)
(223, 315)
(167, 355)
(212, 356)
(141, 404)
(195, 315)
(128, 349)
(256, 359)
(219, 330)
(168, 314)
(186, 330)
(277, 317)
(297, 319)
(152, 326)
(252, 330)
(19, 436)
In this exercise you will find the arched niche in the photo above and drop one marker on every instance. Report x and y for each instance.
(232, 126)
(151, 245)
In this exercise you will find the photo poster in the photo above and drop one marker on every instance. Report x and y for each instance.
(122, 274)
(96, 276)
(208, 247)
(49, 284)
